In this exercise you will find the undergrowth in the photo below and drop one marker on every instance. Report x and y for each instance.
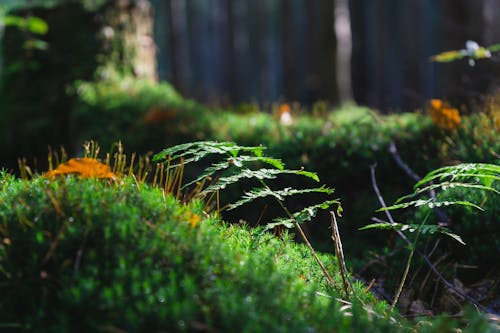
(92, 255)
(86, 255)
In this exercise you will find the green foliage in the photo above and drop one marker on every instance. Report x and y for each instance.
(484, 174)
(84, 255)
(479, 228)
(423, 229)
(340, 145)
(473, 51)
(472, 176)
(236, 160)
(29, 25)
(120, 107)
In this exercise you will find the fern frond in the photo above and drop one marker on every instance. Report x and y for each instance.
(258, 174)
(238, 161)
(445, 186)
(430, 203)
(477, 172)
(468, 175)
(424, 229)
(304, 215)
(195, 151)
(279, 195)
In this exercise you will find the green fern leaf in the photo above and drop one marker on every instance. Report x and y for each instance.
(430, 203)
(238, 161)
(279, 195)
(195, 151)
(463, 171)
(445, 186)
(302, 216)
(424, 229)
(258, 174)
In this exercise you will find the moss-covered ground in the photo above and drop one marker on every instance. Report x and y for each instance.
(94, 255)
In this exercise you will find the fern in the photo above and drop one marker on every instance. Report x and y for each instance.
(485, 174)
(304, 215)
(239, 159)
(469, 175)
(423, 229)
(430, 203)
(445, 186)
(195, 151)
(257, 174)
(241, 162)
(278, 194)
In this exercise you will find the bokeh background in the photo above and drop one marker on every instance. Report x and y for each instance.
(233, 51)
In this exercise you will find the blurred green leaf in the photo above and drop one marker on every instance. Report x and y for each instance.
(36, 44)
(36, 25)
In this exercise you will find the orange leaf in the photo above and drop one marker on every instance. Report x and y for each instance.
(84, 167)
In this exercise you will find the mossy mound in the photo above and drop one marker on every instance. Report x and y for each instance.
(92, 256)
(88, 255)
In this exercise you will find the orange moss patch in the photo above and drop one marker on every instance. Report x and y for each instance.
(443, 115)
(193, 219)
(84, 167)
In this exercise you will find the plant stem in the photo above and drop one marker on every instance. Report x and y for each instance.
(339, 253)
(408, 263)
(304, 237)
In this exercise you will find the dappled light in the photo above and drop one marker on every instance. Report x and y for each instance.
(249, 166)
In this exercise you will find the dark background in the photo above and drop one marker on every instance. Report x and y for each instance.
(231, 51)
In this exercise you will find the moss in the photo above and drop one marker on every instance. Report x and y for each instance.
(341, 145)
(89, 255)
(109, 255)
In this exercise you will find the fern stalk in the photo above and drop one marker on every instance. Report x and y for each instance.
(408, 263)
(304, 237)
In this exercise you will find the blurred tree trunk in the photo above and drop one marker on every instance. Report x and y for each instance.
(322, 75)
(342, 30)
(128, 38)
(114, 38)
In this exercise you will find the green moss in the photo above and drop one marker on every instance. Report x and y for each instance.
(86, 255)
(87, 252)
(340, 145)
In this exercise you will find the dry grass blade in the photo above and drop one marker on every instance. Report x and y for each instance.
(339, 253)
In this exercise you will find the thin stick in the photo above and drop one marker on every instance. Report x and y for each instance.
(394, 152)
(339, 253)
(370, 285)
(426, 259)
